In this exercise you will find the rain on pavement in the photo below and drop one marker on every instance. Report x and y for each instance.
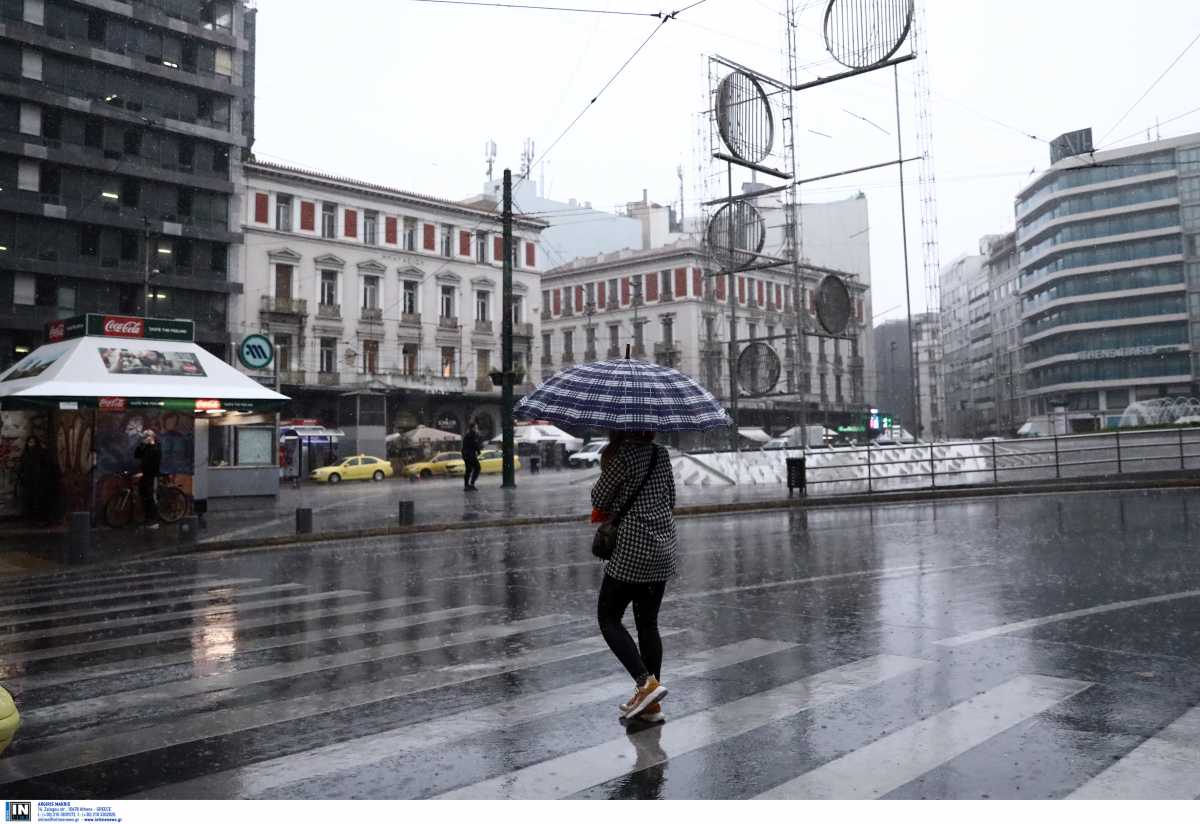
(940, 650)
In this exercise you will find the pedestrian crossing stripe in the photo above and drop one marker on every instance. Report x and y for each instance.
(47, 607)
(1164, 766)
(343, 758)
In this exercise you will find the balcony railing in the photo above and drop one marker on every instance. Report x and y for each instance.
(284, 306)
(449, 323)
(522, 330)
(291, 377)
(410, 319)
(328, 379)
(329, 311)
(483, 327)
(372, 314)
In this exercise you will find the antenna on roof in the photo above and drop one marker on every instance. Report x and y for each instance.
(489, 151)
(527, 156)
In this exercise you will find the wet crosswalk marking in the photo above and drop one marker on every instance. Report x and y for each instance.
(572, 773)
(345, 757)
(133, 586)
(94, 746)
(63, 713)
(894, 760)
(75, 579)
(172, 589)
(219, 615)
(108, 623)
(1165, 766)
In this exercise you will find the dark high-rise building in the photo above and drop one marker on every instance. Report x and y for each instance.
(122, 130)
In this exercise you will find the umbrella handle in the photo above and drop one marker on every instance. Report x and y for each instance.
(627, 351)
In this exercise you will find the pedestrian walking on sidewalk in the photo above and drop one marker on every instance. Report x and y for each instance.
(149, 456)
(472, 445)
(636, 488)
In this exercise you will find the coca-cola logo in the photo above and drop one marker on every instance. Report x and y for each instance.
(123, 327)
(117, 404)
(58, 331)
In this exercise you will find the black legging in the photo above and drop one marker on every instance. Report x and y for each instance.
(615, 596)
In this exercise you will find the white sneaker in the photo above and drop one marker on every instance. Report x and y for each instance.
(152, 526)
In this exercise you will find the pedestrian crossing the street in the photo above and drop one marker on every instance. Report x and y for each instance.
(150, 684)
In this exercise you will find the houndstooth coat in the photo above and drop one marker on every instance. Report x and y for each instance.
(646, 543)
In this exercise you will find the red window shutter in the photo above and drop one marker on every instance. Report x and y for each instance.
(651, 286)
(308, 216)
(860, 309)
(558, 301)
(625, 291)
(762, 299)
(498, 249)
(578, 298)
(430, 242)
(350, 223)
(262, 208)
(778, 296)
(389, 230)
(741, 289)
(681, 283)
(721, 287)
(697, 283)
(600, 295)
(530, 255)
(812, 302)
(464, 244)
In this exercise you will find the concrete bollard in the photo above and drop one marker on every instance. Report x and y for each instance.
(189, 525)
(407, 513)
(79, 537)
(303, 521)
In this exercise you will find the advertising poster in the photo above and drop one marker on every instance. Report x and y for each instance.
(151, 362)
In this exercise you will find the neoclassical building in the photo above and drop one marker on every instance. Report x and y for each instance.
(368, 288)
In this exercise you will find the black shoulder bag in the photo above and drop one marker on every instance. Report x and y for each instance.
(605, 541)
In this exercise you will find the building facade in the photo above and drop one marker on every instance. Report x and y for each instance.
(965, 322)
(1005, 393)
(894, 375)
(122, 133)
(1109, 259)
(662, 306)
(368, 289)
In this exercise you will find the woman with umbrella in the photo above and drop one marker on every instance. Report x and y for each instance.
(634, 497)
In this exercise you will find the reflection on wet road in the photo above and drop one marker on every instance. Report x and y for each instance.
(1045, 646)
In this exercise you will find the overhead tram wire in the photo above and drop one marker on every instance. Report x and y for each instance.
(532, 7)
(1146, 93)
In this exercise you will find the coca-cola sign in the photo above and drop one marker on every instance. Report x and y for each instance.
(56, 331)
(118, 327)
(112, 404)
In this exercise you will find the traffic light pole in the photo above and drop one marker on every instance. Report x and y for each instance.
(506, 334)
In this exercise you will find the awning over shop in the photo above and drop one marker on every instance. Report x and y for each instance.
(752, 433)
(129, 372)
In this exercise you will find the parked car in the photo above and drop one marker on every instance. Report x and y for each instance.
(491, 462)
(356, 468)
(588, 456)
(441, 464)
(776, 443)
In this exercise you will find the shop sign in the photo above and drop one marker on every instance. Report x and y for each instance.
(124, 326)
(112, 326)
(68, 406)
(447, 423)
(205, 405)
(1123, 352)
(112, 404)
(62, 329)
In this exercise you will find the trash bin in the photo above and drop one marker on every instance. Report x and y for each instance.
(795, 475)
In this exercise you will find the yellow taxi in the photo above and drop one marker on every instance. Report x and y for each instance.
(357, 468)
(491, 462)
(10, 719)
(443, 463)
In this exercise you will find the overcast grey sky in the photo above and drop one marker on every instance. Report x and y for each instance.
(406, 94)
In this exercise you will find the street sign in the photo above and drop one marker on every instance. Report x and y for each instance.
(256, 352)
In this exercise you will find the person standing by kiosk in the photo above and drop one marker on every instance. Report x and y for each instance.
(149, 455)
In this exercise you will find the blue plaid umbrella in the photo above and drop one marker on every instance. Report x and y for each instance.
(625, 395)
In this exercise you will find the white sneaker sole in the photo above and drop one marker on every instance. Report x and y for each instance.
(657, 695)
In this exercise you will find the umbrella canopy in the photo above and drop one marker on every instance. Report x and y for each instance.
(427, 434)
(624, 395)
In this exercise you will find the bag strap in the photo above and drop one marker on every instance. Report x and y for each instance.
(632, 498)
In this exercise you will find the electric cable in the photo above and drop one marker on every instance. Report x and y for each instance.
(1165, 72)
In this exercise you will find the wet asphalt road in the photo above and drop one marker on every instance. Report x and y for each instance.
(1037, 647)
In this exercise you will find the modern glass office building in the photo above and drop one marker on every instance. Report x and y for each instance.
(1109, 258)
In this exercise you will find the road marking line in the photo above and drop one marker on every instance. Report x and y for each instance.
(894, 760)
(91, 583)
(1017, 626)
(568, 774)
(172, 589)
(91, 748)
(188, 656)
(1165, 766)
(104, 705)
(77, 578)
(141, 620)
(881, 573)
(346, 756)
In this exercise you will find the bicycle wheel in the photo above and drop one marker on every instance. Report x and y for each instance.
(118, 509)
(172, 504)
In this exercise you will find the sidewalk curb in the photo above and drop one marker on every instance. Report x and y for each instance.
(242, 546)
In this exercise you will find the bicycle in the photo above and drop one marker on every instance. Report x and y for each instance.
(118, 509)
